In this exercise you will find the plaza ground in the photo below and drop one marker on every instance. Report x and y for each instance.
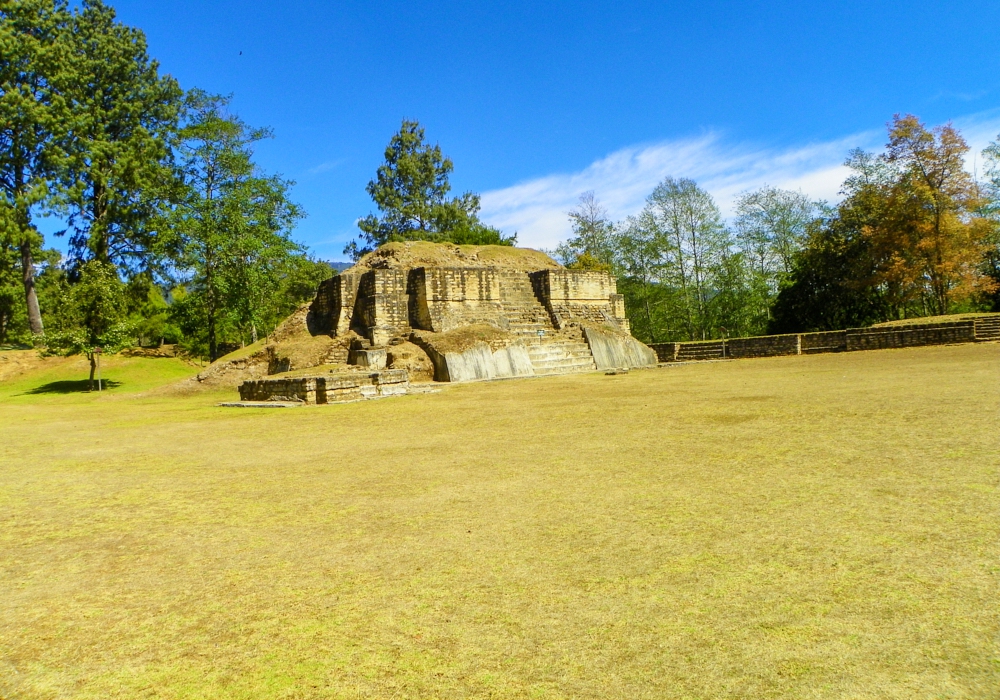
(803, 527)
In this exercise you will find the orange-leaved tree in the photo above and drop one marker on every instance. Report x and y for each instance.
(930, 242)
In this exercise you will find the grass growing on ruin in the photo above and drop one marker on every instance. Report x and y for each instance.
(803, 527)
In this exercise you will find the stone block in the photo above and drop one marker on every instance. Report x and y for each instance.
(613, 350)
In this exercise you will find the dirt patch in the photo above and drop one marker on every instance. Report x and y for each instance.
(290, 347)
(14, 363)
(413, 359)
(412, 254)
(466, 338)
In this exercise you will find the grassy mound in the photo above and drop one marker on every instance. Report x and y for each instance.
(425, 254)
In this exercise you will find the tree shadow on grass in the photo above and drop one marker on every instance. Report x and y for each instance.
(72, 386)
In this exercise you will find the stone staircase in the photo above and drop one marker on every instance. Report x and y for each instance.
(552, 352)
(560, 355)
(710, 350)
(522, 309)
(988, 327)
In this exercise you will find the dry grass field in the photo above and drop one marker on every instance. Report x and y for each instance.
(804, 527)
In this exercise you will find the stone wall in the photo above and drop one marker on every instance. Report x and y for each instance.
(574, 296)
(345, 386)
(333, 306)
(877, 338)
(911, 336)
(382, 306)
(481, 362)
(823, 341)
(764, 346)
(385, 303)
(443, 298)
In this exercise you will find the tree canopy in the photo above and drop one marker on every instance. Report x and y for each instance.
(411, 190)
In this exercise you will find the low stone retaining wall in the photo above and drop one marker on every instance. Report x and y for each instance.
(916, 335)
(911, 336)
(345, 386)
(764, 346)
(823, 341)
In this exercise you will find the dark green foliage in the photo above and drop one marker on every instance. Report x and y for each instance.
(119, 176)
(826, 289)
(232, 225)
(299, 281)
(14, 324)
(411, 191)
(34, 127)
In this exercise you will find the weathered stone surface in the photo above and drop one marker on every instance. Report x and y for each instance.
(481, 362)
(879, 338)
(331, 388)
(372, 358)
(613, 350)
(969, 330)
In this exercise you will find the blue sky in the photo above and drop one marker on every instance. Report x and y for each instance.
(537, 102)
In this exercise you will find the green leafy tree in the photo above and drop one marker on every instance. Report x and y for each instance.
(991, 210)
(639, 264)
(34, 124)
(14, 327)
(92, 316)
(234, 222)
(770, 226)
(830, 286)
(592, 243)
(695, 243)
(411, 191)
(124, 117)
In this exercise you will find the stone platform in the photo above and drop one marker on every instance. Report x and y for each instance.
(330, 388)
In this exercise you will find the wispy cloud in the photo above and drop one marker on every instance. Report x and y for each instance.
(537, 208)
(325, 167)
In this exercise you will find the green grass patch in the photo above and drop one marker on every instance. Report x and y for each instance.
(65, 380)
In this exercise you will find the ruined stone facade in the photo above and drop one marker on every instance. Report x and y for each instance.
(387, 303)
(495, 317)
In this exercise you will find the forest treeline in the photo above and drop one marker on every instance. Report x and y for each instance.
(914, 235)
(173, 232)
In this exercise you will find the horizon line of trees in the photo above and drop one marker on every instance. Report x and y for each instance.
(176, 234)
(915, 235)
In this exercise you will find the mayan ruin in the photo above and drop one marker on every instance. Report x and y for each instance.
(469, 312)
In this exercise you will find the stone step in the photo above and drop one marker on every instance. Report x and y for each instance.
(988, 328)
(540, 352)
(558, 361)
(544, 371)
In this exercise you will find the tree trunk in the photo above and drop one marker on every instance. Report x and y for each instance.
(93, 367)
(102, 250)
(30, 296)
(213, 346)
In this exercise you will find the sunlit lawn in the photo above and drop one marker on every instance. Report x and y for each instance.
(803, 527)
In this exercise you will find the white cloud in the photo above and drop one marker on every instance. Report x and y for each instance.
(326, 166)
(537, 208)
